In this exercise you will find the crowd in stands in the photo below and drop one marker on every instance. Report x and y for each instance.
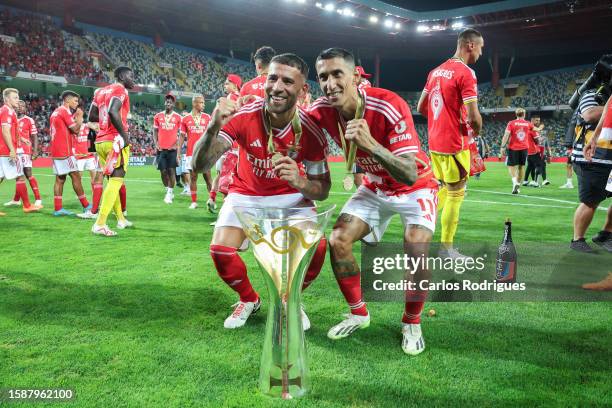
(40, 47)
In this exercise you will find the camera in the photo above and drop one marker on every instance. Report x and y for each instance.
(600, 79)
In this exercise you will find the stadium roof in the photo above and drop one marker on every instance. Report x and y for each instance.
(521, 28)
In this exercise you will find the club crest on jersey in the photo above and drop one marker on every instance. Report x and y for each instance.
(436, 101)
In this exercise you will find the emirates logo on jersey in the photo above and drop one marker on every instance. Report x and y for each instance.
(436, 102)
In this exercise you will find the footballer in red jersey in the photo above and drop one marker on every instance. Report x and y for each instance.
(10, 165)
(110, 110)
(255, 87)
(166, 127)
(282, 164)
(533, 153)
(28, 139)
(363, 78)
(193, 126)
(232, 86)
(516, 137)
(63, 125)
(449, 101)
(377, 126)
(86, 160)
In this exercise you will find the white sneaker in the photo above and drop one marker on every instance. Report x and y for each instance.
(124, 224)
(12, 203)
(193, 206)
(38, 203)
(346, 327)
(452, 253)
(87, 215)
(516, 189)
(305, 319)
(545, 182)
(241, 313)
(413, 342)
(102, 230)
(186, 192)
(524, 183)
(168, 198)
(211, 205)
(533, 184)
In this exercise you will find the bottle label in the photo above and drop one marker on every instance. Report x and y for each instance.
(505, 270)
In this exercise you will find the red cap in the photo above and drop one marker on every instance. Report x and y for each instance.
(169, 95)
(235, 79)
(362, 72)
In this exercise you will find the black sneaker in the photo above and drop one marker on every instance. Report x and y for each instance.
(515, 189)
(581, 245)
(601, 237)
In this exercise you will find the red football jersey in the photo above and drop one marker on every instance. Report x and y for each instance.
(81, 143)
(520, 130)
(390, 123)
(102, 99)
(449, 88)
(233, 96)
(167, 129)
(194, 131)
(8, 117)
(255, 173)
(255, 86)
(532, 142)
(26, 129)
(61, 136)
(364, 83)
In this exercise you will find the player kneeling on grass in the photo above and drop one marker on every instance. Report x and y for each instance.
(274, 136)
(110, 110)
(375, 126)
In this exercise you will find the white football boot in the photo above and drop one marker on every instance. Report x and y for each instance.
(346, 327)
(241, 313)
(413, 342)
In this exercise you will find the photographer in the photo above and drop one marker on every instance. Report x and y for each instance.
(592, 171)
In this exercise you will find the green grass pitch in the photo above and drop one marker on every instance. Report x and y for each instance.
(137, 321)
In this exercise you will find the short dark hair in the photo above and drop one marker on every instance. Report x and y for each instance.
(468, 35)
(68, 93)
(264, 55)
(337, 52)
(119, 71)
(292, 60)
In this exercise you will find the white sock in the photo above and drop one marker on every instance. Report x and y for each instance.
(169, 190)
(514, 181)
(569, 181)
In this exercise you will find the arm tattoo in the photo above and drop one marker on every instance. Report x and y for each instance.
(209, 149)
(346, 218)
(402, 168)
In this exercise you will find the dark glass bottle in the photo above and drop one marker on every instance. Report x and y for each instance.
(505, 263)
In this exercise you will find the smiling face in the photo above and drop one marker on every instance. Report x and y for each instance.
(283, 87)
(338, 80)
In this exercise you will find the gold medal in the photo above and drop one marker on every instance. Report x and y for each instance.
(197, 124)
(348, 182)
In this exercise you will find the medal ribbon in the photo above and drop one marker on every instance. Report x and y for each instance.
(351, 152)
(296, 126)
